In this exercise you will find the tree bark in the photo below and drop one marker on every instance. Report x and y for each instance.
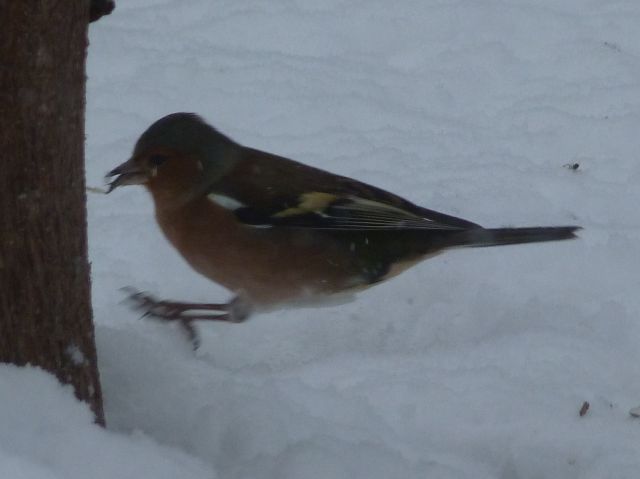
(45, 303)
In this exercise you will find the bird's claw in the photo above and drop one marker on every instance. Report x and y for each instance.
(151, 307)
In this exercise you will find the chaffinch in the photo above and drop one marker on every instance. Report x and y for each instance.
(277, 232)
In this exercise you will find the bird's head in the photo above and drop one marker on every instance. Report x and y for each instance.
(176, 158)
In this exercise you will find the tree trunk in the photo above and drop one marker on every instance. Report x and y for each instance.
(45, 303)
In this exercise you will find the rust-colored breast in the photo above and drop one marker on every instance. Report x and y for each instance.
(269, 265)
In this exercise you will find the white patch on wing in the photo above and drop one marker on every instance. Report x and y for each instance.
(224, 201)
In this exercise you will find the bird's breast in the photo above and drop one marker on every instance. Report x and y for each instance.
(269, 265)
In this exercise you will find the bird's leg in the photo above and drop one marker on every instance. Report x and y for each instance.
(235, 311)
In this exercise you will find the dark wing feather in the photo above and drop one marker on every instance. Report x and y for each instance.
(275, 191)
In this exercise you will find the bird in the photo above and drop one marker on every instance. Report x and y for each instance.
(278, 233)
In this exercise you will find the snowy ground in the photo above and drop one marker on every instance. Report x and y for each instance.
(471, 365)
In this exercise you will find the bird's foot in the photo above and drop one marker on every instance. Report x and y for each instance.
(235, 311)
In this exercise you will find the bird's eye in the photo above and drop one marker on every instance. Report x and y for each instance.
(157, 160)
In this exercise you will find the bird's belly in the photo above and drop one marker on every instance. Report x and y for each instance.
(270, 266)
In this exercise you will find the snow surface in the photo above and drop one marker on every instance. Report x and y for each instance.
(472, 365)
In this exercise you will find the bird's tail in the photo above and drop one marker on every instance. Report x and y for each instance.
(504, 236)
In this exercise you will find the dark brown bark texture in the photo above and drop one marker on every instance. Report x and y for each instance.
(45, 303)
(100, 8)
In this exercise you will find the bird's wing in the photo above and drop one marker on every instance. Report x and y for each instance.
(271, 191)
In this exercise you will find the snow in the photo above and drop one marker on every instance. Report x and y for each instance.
(473, 364)
(47, 433)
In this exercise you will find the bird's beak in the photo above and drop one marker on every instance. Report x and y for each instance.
(128, 173)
